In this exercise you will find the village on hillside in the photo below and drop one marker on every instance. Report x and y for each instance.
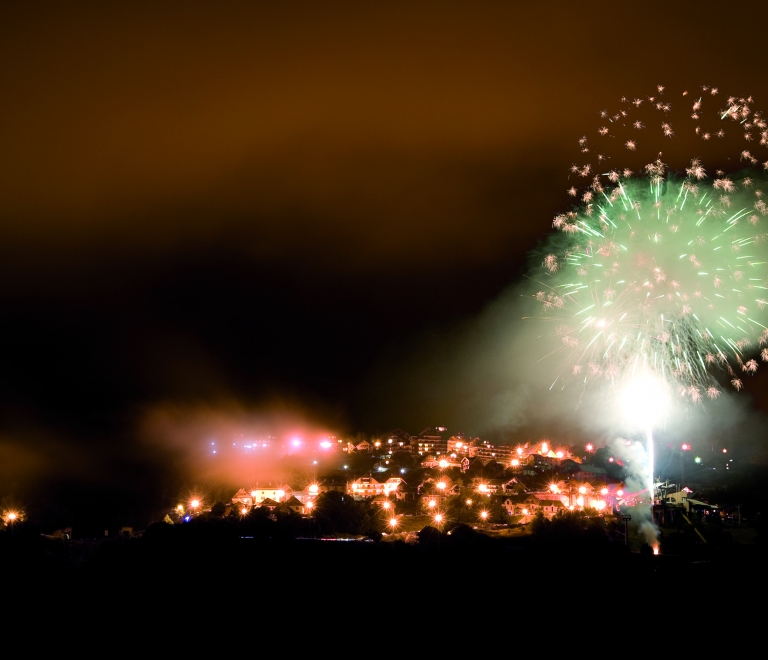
(446, 478)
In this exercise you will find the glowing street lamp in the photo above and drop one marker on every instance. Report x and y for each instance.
(484, 516)
(393, 524)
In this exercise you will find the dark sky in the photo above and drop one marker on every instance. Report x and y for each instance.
(293, 215)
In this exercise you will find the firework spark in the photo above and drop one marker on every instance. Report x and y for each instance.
(665, 271)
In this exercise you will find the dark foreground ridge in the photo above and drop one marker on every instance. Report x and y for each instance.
(171, 564)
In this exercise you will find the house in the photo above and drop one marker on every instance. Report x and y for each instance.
(326, 484)
(591, 472)
(269, 504)
(442, 461)
(569, 465)
(514, 485)
(364, 446)
(487, 486)
(683, 500)
(397, 440)
(370, 487)
(461, 446)
(550, 504)
(296, 505)
(525, 504)
(432, 441)
(539, 462)
(258, 494)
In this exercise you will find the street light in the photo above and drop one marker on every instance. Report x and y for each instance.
(10, 519)
(484, 516)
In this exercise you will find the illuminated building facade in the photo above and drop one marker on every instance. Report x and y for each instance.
(256, 495)
(370, 487)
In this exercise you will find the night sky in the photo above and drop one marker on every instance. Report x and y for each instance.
(298, 217)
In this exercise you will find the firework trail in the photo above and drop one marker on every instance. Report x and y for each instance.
(663, 267)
